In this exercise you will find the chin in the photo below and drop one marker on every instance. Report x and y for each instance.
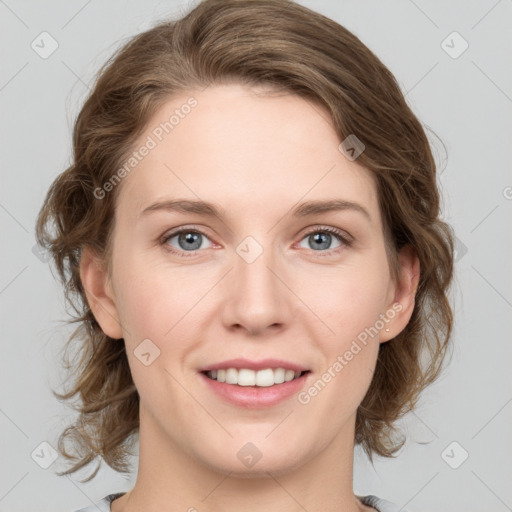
(240, 464)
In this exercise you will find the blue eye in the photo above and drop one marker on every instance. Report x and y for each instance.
(322, 239)
(190, 240)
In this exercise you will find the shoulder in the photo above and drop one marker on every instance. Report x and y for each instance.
(379, 504)
(102, 505)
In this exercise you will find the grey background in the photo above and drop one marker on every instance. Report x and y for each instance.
(467, 101)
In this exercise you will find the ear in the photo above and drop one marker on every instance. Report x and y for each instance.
(99, 292)
(402, 294)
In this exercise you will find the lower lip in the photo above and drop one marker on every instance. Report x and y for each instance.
(253, 397)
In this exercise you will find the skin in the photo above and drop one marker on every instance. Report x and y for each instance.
(255, 155)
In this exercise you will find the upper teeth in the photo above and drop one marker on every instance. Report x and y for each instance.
(246, 377)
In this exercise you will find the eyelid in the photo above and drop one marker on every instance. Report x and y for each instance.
(188, 227)
(344, 235)
(177, 231)
(345, 238)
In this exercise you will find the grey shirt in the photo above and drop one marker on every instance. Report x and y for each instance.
(371, 501)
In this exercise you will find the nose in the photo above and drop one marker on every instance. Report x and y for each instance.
(256, 298)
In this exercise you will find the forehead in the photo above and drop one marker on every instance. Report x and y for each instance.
(245, 149)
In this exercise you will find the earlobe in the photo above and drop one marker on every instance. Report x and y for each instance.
(99, 293)
(402, 305)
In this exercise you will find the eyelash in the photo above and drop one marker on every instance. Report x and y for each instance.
(340, 235)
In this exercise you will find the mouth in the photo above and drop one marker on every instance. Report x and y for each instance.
(261, 389)
(255, 384)
(245, 377)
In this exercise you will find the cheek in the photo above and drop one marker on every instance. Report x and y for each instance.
(348, 299)
(152, 308)
(150, 296)
(152, 304)
(351, 309)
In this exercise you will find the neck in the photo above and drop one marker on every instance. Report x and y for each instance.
(170, 479)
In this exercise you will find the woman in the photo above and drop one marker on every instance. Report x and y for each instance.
(250, 228)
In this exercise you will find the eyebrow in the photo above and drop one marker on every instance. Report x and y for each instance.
(208, 209)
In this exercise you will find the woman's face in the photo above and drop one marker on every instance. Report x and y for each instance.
(312, 289)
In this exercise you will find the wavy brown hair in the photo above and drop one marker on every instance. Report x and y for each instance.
(287, 47)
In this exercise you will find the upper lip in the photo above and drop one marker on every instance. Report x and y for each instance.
(262, 364)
